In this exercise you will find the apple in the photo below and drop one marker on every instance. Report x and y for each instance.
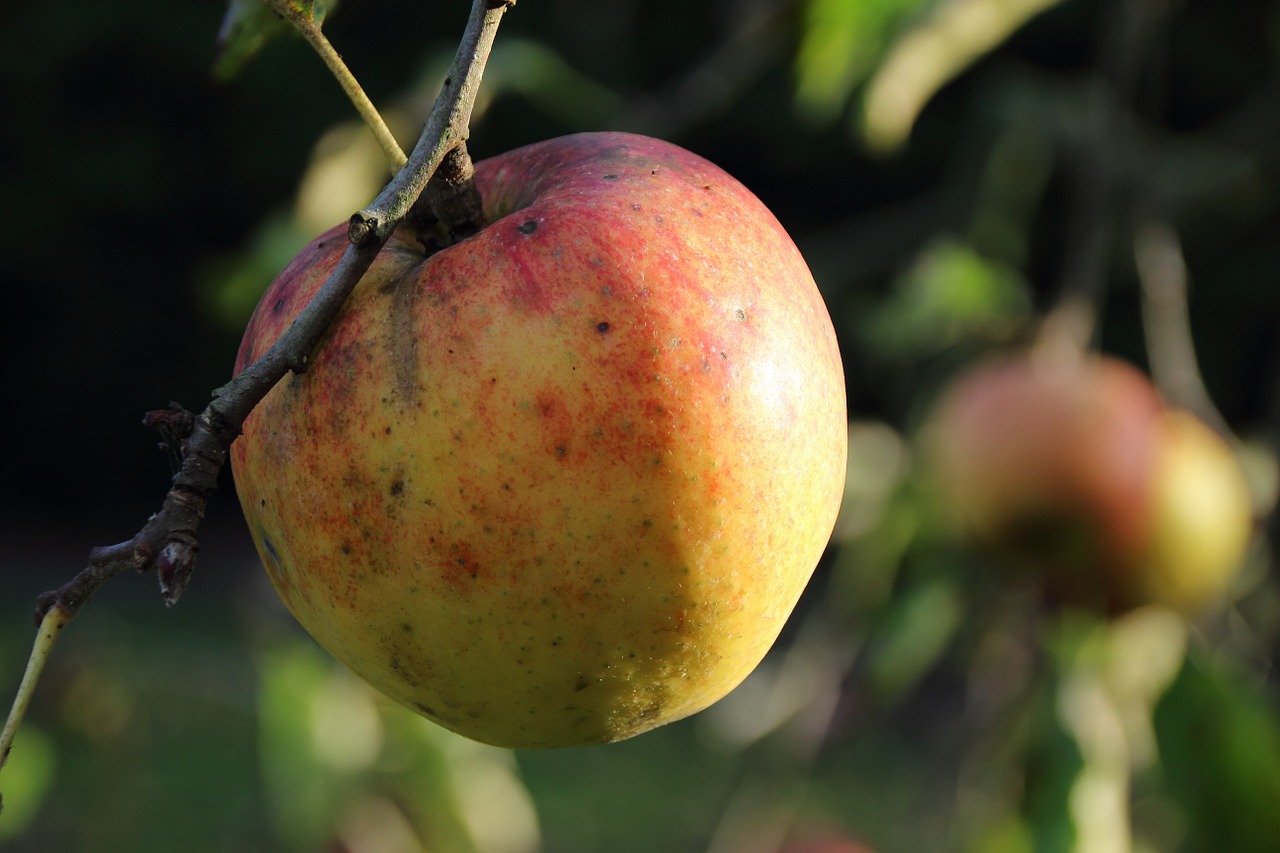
(563, 481)
(1076, 470)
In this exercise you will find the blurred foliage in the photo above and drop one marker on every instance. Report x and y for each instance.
(950, 168)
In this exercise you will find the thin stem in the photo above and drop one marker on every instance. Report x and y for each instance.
(50, 629)
(1166, 317)
(310, 30)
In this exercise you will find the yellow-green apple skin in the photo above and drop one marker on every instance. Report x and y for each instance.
(1201, 518)
(563, 481)
(1075, 470)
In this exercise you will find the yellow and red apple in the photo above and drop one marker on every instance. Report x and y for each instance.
(563, 481)
(1077, 470)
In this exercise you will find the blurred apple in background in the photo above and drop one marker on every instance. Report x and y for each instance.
(1074, 469)
(563, 481)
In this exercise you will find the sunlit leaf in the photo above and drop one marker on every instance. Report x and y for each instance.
(926, 57)
(838, 46)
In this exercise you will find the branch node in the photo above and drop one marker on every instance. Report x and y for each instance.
(174, 425)
(45, 602)
(363, 228)
(174, 565)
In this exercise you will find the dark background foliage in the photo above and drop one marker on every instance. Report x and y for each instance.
(145, 204)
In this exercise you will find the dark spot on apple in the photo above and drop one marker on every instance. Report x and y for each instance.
(406, 627)
(425, 709)
(582, 683)
(397, 487)
(739, 314)
(275, 309)
(527, 227)
(270, 548)
(387, 431)
(262, 503)
(653, 171)
(611, 177)
(346, 549)
(561, 450)
(635, 206)
(602, 327)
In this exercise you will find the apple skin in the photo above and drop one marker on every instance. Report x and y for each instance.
(1202, 518)
(564, 481)
(1077, 472)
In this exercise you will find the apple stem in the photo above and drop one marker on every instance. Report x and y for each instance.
(307, 27)
(451, 199)
(167, 541)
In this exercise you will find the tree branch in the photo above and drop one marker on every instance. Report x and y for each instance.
(167, 542)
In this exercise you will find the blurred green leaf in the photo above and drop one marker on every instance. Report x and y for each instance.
(916, 632)
(230, 285)
(949, 294)
(1051, 767)
(249, 24)
(1219, 742)
(27, 777)
(304, 796)
(838, 47)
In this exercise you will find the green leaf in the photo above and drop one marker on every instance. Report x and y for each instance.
(1219, 742)
(950, 294)
(916, 632)
(250, 24)
(27, 777)
(839, 44)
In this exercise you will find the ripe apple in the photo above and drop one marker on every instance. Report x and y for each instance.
(1076, 470)
(563, 481)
